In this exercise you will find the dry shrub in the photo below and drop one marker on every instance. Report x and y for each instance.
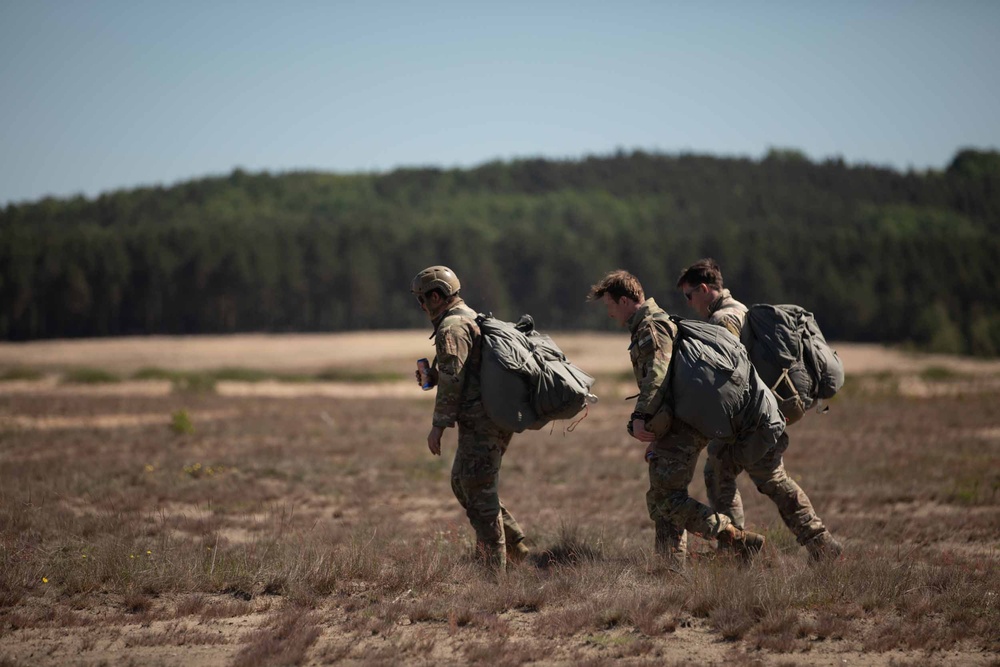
(283, 641)
(333, 653)
(513, 653)
(417, 566)
(377, 619)
(30, 618)
(573, 546)
(521, 590)
(830, 625)
(459, 618)
(9, 596)
(485, 652)
(731, 621)
(927, 635)
(416, 644)
(137, 603)
(190, 605)
(226, 609)
(176, 634)
(780, 631)
(568, 620)
(428, 609)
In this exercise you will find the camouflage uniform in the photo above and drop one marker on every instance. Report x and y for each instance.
(728, 312)
(768, 473)
(720, 477)
(674, 455)
(475, 474)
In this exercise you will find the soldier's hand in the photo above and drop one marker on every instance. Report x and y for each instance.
(640, 433)
(434, 440)
(432, 377)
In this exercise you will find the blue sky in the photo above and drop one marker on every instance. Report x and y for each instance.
(103, 95)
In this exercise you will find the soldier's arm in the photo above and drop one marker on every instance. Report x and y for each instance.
(453, 346)
(655, 347)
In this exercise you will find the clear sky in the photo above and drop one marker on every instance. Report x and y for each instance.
(100, 95)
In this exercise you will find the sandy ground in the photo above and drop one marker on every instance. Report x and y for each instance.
(595, 352)
(112, 422)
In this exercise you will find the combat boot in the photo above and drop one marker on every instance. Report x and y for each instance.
(517, 552)
(671, 544)
(491, 556)
(742, 543)
(824, 547)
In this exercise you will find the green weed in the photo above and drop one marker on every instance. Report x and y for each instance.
(89, 376)
(180, 423)
(20, 373)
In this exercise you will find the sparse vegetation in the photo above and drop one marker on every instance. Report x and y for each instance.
(358, 375)
(20, 373)
(184, 380)
(180, 423)
(274, 539)
(89, 376)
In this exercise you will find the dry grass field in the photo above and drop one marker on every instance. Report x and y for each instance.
(286, 511)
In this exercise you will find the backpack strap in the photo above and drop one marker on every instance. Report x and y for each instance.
(666, 390)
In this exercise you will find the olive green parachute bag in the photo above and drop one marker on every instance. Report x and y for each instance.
(526, 379)
(712, 387)
(791, 355)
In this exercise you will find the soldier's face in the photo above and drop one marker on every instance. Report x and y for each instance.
(698, 297)
(431, 304)
(619, 310)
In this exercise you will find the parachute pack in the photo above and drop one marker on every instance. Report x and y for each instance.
(526, 379)
(792, 357)
(715, 390)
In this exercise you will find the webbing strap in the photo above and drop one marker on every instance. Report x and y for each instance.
(784, 376)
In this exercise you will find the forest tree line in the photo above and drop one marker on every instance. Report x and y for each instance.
(876, 254)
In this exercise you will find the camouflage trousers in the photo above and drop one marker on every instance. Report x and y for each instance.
(769, 475)
(672, 462)
(475, 479)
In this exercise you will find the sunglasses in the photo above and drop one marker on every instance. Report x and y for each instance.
(688, 295)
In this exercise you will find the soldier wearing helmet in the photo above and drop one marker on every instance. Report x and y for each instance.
(475, 474)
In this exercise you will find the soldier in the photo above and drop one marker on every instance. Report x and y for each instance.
(475, 474)
(701, 284)
(673, 455)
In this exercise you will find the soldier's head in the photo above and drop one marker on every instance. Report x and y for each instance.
(436, 287)
(701, 284)
(621, 293)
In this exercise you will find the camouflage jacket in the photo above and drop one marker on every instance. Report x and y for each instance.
(728, 312)
(457, 341)
(652, 345)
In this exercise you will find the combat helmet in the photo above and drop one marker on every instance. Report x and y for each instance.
(435, 277)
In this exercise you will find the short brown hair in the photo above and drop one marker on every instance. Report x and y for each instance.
(705, 271)
(617, 283)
